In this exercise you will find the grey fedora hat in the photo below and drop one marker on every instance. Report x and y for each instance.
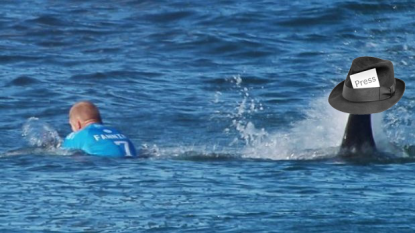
(370, 87)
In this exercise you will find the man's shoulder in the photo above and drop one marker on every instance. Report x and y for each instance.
(79, 135)
(75, 140)
(71, 136)
(75, 135)
(103, 129)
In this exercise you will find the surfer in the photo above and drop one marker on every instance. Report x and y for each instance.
(92, 136)
(370, 87)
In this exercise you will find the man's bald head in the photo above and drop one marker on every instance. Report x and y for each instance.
(82, 114)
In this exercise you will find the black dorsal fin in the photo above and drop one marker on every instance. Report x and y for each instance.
(358, 136)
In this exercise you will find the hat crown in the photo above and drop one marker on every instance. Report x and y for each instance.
(384, 70)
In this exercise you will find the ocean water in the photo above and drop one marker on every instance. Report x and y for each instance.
(230, 98)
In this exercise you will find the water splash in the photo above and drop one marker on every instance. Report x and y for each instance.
(38, 133)
(398, 129)
(398, 124)
(240, 118)
(317, 136)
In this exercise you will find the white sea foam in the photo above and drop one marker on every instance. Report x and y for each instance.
(317, 135)
(319, 132)
(40, 134)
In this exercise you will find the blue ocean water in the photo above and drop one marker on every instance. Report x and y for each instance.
(230, 97)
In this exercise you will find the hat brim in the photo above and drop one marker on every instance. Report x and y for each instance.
(337, 101)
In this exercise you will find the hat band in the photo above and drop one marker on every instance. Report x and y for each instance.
(368, 94)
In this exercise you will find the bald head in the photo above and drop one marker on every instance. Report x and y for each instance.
(82, 114)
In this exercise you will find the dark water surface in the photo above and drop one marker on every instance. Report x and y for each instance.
(104, 195)
(230, 95)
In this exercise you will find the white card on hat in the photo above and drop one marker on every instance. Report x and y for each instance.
(365, 79)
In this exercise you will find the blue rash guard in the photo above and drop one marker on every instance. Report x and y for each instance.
(97, 139)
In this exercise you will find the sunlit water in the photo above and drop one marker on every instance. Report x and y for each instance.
(228, 97)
